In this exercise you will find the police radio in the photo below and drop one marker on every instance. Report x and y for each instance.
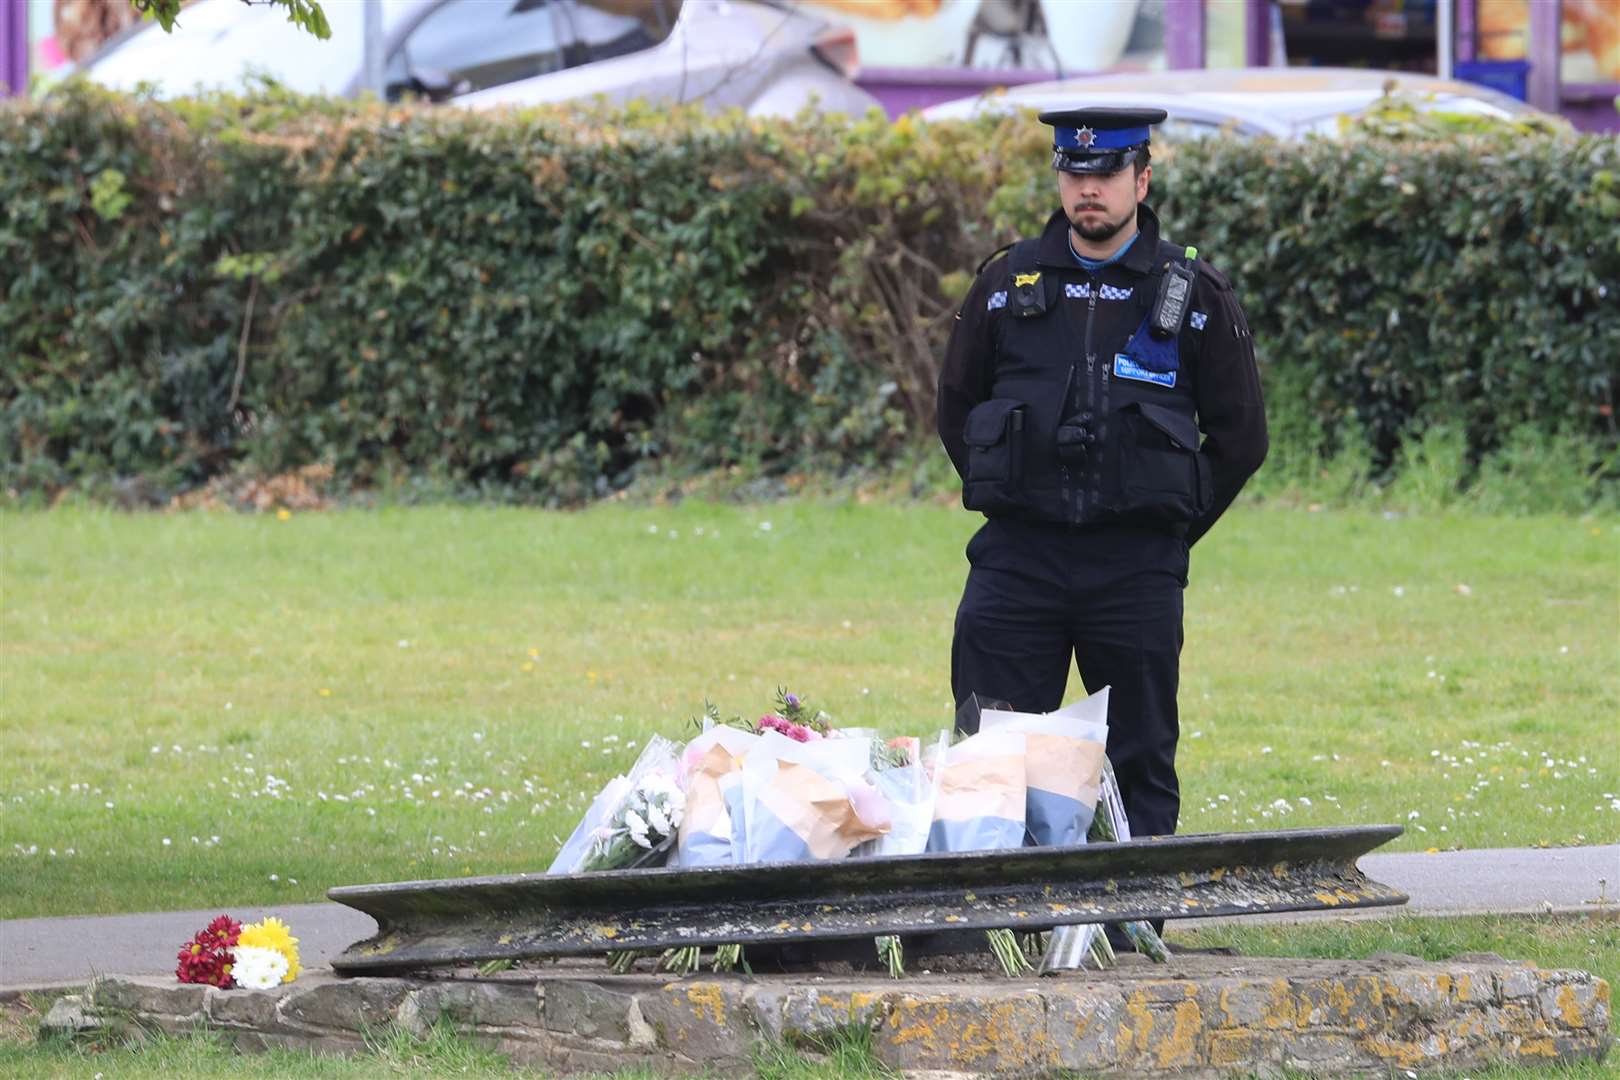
(1175, 294)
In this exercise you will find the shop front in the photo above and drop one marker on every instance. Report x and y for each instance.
(1561, 56)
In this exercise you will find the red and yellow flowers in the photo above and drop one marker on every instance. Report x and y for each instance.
(227, 954)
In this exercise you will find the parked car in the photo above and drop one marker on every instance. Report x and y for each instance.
(769, 59)
(762, 56)
(1285, 102)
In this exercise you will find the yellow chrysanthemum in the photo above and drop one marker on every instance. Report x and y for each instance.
(272, 933)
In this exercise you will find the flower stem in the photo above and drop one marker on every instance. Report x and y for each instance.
(682, 961)
(1004, 943)
(892, 953)
(727, 957)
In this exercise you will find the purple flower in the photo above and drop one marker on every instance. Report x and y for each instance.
(792, 699)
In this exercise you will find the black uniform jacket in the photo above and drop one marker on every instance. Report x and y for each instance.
(1072, 367)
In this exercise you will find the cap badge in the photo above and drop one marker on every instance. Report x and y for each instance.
(1085, 137)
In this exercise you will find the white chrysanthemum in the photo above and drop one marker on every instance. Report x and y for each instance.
(656, 786)
(638, 828)
(660, 824)
(258, 968)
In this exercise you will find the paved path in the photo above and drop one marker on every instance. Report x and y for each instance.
(69, 951)
(37, 953)
(1505, 880)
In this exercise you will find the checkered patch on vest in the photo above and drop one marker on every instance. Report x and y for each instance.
(1198, 319)
(1082, 291)
(997, 300)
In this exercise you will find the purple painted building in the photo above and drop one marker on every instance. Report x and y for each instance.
(1550, 53)
(13, 47)
(1559, 55)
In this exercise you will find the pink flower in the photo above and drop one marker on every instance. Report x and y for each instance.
(783, 726)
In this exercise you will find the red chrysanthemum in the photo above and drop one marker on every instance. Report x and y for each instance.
(223, 929)
(207, 958)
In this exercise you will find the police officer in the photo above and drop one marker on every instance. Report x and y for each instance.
(1099, 399)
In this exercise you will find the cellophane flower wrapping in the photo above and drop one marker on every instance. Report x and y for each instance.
(980, 807)
(633, 821)
(809, 800)
(711, 778)
(579, 842)
(910, 790)
(1063, 763)
(1065, 755)
(1113, 826)
(981, 794)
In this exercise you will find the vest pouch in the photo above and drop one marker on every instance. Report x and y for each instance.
(994, 434)
(1162, 477)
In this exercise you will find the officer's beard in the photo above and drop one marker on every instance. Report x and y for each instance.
(1098, 232)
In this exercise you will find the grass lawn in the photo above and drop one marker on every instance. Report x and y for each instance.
(214, 710)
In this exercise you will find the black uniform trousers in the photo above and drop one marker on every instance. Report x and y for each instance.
(1109, 597)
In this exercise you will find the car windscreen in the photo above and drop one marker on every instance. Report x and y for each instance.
(221, 43)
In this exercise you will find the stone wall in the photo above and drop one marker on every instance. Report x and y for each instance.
(1203, 1016)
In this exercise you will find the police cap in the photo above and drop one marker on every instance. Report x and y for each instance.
(1098, 140)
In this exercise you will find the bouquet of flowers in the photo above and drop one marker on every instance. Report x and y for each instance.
(710, 778)
(227, 954)
(910, 787)
(980, 805)
(207, 958)
(791, 785)
(791, 718)
(1063, 766)
(794, 719)
(980, 794)
(808, 800)
(737, 813)
(641, 829)
(633, 820)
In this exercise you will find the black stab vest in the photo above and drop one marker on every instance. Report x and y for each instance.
(1087, 425)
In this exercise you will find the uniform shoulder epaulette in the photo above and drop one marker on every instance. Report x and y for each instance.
(1214, 276)
(1169, 252)
(1172, 252)
(988, 259)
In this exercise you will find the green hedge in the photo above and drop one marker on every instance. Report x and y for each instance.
(541, 306)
